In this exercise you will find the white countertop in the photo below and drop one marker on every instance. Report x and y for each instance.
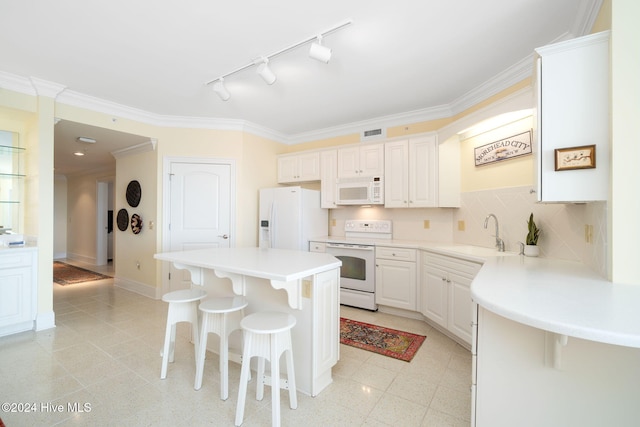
(560, 296)
(564, 297)
(468, 252)
(272, 264)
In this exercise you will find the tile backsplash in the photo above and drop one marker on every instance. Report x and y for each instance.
(562, 236)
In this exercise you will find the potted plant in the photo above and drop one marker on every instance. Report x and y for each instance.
(531, 246)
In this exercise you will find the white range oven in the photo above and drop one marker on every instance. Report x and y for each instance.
(356, 250)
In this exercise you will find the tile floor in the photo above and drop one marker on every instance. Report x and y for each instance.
(104, 353)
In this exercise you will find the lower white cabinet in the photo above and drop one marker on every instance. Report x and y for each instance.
(17, 290)
(446, 292)
(396, 277)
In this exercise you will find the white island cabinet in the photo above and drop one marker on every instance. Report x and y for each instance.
(17, 289)
(305, 284)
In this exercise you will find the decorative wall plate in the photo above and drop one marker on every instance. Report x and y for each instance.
(134, 193)
(136, 223)
(123, 219)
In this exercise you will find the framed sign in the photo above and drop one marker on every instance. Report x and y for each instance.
(507, 148)
(570, 158)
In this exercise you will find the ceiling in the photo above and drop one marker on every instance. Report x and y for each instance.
(153, 58)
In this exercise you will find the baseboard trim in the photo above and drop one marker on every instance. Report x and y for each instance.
(137, 287)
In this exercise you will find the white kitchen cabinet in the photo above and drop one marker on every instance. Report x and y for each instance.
(572, 110)
(17, 290)
(361, 160)
(396, 277)
(328, 178)
(299, 167)
(411, 173)
(446, 292)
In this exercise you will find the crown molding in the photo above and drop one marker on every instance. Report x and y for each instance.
(16, 83)
(586, 17)
(46, 88)
(414, 116)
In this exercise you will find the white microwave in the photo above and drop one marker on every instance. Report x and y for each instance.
(366, 190)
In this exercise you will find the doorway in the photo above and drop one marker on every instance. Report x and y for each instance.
(104, 222)
(199, 210)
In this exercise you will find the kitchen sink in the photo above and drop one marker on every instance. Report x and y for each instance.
(478, 251)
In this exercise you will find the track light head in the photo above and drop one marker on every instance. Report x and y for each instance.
(265, 72)
(220, 90)
(319, 52)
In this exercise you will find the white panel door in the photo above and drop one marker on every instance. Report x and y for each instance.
(200, 211)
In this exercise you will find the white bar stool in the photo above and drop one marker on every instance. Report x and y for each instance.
(183, 307)
(267, 335)
(220, 316)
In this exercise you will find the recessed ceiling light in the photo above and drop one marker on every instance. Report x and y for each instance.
(79, 153)
(86, 139)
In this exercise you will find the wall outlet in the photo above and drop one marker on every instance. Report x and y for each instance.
(306, 289)
(588, 233)
(427, 223)
(461, 225)
(333, 222)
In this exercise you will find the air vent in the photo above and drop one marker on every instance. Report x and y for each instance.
(372, 134)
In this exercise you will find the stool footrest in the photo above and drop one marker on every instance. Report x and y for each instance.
(284, 383)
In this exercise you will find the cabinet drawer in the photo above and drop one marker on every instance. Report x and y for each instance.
(16, 259)
(317, 247)
(467, 268)
(400, 254)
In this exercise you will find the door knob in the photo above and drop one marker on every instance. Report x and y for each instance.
(224, 236)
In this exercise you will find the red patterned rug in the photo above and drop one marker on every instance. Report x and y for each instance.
(65, 274)
(389, 342)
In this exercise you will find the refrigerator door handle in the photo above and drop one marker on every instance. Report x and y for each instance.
(272, 223)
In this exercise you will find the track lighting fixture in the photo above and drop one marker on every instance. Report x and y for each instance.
(220, 90)
(265, 72)
(317, 51)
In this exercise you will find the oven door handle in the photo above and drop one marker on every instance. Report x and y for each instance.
(356, 247)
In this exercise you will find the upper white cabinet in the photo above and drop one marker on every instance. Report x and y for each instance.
(411, 173)
(328, 177)
(573, 108)
(299, 167)
(361, 160)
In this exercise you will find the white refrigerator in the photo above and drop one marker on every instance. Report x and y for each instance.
(289, 217)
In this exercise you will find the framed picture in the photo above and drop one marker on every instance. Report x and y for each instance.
(504, 149)
(571, 158)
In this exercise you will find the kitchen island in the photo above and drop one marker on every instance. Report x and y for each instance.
(556, 345)
(304, 284)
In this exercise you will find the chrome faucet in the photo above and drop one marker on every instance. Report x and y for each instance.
(499, 241)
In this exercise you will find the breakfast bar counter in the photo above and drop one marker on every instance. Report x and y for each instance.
(305, 284)
(555, 345)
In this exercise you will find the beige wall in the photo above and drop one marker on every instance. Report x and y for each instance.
(134, 262)
(624, 208)
(509, 173)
